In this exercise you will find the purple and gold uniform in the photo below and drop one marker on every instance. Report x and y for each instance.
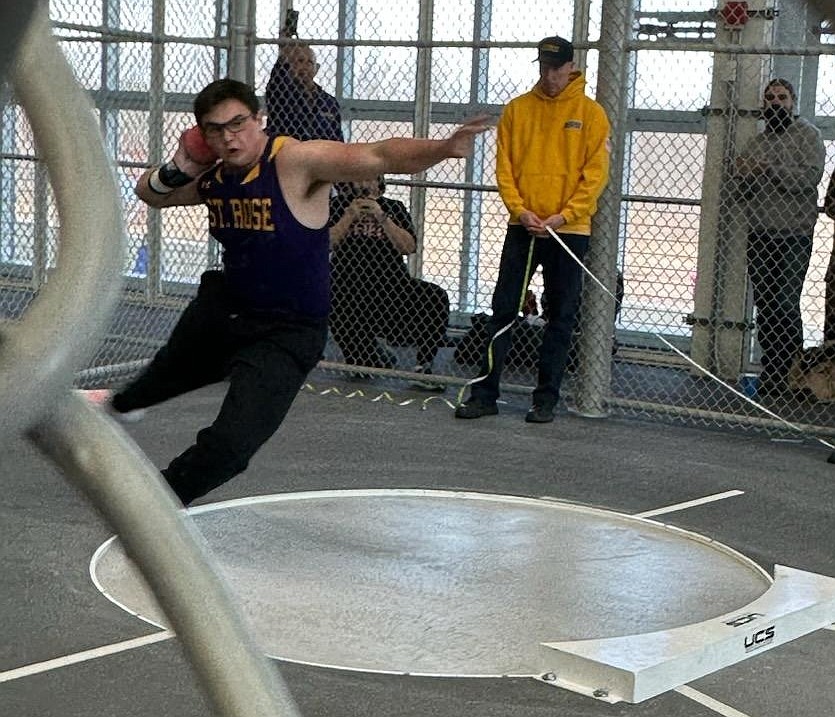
(271, 262)
(261, 323)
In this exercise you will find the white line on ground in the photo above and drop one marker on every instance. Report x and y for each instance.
(689, 503)
(96, 652)
(712, 704)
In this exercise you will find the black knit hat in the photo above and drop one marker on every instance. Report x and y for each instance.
(554, 51)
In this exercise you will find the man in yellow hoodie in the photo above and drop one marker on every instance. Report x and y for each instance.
(552, 164)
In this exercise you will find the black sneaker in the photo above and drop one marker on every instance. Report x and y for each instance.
(540, 414)
(133, 416)
(476, 408)
(426, 384)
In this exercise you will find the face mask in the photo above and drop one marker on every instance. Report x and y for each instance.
(777, 117)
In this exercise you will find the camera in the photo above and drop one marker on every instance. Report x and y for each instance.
(291, 23)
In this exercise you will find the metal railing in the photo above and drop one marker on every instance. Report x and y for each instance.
(38, 358)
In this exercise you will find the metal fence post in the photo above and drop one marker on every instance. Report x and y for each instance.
(594, 352)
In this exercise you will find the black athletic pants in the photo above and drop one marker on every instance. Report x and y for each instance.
(266, 359)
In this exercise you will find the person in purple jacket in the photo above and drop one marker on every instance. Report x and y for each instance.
(261, 321)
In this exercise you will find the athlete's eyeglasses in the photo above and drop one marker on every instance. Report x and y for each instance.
(234, 125)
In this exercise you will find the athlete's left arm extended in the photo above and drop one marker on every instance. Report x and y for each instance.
(338, 162)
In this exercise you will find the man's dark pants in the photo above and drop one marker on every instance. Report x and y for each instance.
(266, 360)
(777, 265)
(563, 279)
(404, 311)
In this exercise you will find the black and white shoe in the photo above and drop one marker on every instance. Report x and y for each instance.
(476, 408)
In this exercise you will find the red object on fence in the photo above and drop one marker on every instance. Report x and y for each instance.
(735, 14)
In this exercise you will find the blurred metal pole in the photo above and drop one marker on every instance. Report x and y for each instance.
(61, 327)
(39, 355)
(126, 488)
(593, 375)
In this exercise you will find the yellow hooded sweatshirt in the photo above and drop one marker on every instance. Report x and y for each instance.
(553, 155)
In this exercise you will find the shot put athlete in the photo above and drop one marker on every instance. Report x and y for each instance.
(261, 321)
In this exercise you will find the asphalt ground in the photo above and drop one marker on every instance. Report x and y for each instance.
(56, 622)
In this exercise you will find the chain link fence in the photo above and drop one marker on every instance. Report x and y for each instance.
(366, 70)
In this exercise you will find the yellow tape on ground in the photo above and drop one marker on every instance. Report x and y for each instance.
(385, 396)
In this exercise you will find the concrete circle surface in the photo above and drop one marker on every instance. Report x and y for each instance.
(446, 583)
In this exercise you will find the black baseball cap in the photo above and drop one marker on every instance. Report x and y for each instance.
(554, 51)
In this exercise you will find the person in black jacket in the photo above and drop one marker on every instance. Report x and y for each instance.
(373, 294)
(296, 105)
